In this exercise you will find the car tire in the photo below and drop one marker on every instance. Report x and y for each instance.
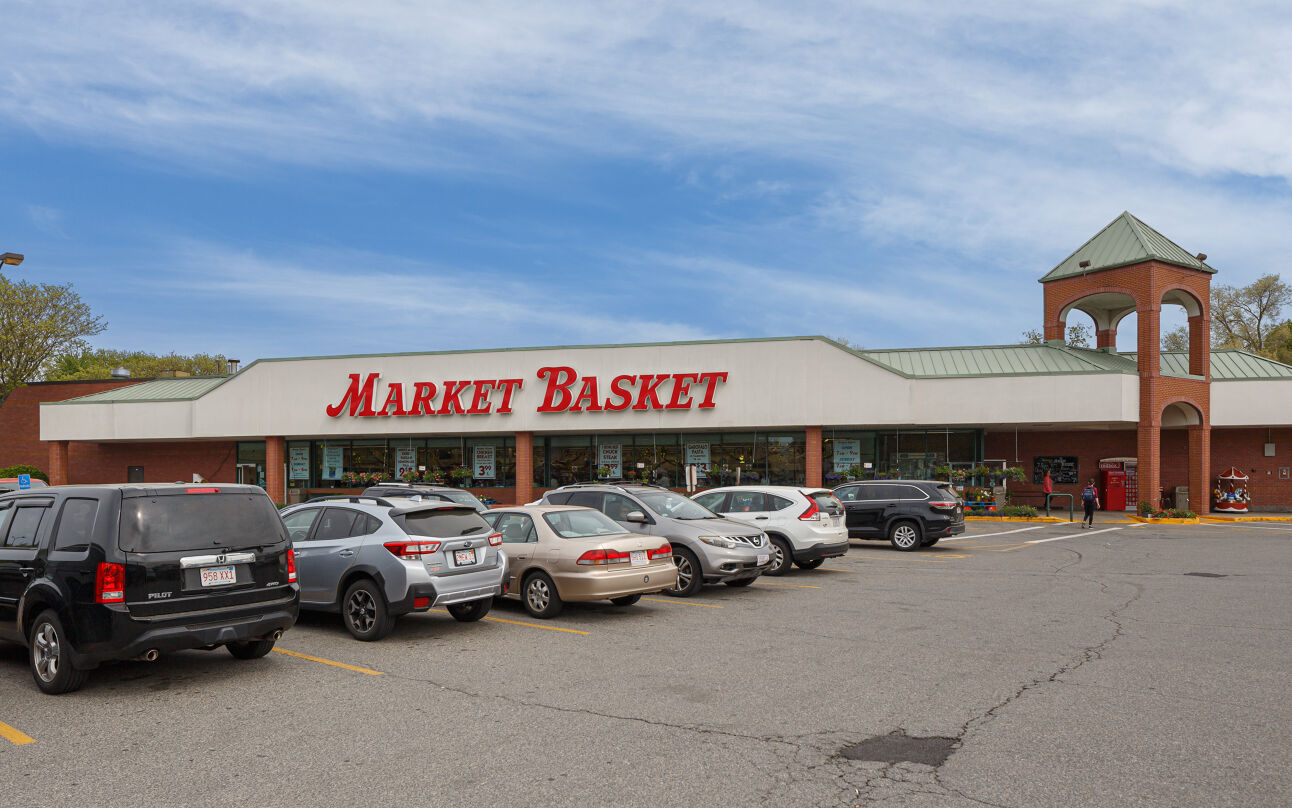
(50, 658)
(810, 564)
(689, 575)
(364, 611)
(540, 597)
(929, 542)
(471, 611)
(782, 557)
(740, 582)
(626, 600)
(251, 649)
(904, 536)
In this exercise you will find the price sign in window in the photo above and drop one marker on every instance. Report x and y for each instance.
(483, 465)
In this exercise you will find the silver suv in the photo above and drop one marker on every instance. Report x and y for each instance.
(706, 547)
(374, 559)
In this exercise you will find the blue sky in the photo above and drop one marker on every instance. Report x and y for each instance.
(281, 178)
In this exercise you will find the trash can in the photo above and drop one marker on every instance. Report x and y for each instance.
(1182, 497)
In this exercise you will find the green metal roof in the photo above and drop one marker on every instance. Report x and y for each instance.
(998, 360)
(1227, 365)
(184, 389)
(1126, 240)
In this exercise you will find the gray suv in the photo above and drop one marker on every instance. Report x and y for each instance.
(374, 559)
(706, 547)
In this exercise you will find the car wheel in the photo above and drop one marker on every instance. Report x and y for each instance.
(364, 611)
(540, 596)
(741, 582)
(51, 660)
(782, 556)
(810, 564)
(251, 649)
(904, 536)
(928, 542)
(472, 611)
(689, 576)
(626, 600)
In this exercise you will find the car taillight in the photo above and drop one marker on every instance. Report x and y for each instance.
(943, 504)
(412, 549)
(201, 490)
(599, 556)
(495, 539)
(291, 565)
(110, 583)
(664, 551)
(812, 514)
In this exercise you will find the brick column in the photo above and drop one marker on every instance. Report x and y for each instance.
(524, 467)
(1056, 330)
(1106, 338)
(1200, 469)
(813, 457)
(1149, 456)
(1200, 346)
(58, 462)
(275, 478)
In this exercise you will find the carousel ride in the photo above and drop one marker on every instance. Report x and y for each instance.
(1231, 494)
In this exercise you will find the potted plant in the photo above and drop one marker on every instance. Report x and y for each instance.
(461, 476)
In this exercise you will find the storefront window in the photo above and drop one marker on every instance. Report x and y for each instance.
(251, 463)
(569, 459)
(910, 454)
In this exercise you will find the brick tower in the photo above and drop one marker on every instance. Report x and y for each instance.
(1130, 267)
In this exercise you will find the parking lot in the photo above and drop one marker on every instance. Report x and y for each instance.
(1124, 665)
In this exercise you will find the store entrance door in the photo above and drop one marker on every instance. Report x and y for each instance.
(250, 474)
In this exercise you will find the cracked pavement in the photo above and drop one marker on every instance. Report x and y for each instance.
(1088, 671)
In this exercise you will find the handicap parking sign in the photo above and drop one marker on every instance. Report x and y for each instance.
(24, 482)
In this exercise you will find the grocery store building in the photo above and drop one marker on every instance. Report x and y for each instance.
(795, 410)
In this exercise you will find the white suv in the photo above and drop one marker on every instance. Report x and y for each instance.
(805, 525)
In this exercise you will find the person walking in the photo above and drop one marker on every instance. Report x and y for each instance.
(1090, 500)
(1047, 488)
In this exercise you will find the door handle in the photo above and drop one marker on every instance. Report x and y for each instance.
(760, 518)
(26, 571)
(346, 553)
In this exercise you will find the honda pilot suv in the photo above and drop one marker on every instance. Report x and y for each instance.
(909, 513)
(706, 547)
(95, 573)
(373, 559)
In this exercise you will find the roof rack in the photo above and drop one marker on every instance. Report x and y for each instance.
(614, 484)
(358, 500)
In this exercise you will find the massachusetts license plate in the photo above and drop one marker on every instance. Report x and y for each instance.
(464, 557)
(763, 558)
(637, 557)
(219, 576)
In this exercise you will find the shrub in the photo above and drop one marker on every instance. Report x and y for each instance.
(1018, 510)
(1145, 507)
(14, 471)
(1174, 513)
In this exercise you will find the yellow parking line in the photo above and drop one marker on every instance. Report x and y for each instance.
(677, 602)
(322, 661)
(916, 560)
(796, 586)
(14, 736)
(518, 623)
(832, 569)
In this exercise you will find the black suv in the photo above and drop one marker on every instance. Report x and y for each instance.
(426, 491)
(94, 573)
(909, 513)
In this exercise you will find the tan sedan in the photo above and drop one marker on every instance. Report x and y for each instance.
(558, 554)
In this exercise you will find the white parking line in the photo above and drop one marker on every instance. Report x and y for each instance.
(1253, 527)
(1073, 535)
(999, 533)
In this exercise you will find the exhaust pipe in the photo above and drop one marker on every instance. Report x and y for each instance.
(277, 635)
(150, 655)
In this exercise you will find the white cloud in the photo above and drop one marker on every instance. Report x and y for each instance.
(47, 220)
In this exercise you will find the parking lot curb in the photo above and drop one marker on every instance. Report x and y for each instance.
(1046, 519)
(1223, 519)
(1194, 521)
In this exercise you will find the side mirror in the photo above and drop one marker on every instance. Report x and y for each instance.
(635, 516)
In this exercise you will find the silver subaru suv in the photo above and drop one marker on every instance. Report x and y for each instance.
(706, 547)
(373, 559)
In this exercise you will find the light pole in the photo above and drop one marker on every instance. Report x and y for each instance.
(12, 259)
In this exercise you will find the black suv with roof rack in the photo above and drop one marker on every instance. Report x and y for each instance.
(909, 513)
(97, 573)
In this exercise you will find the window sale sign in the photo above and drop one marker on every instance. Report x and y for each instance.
(562, 390)
(483, 466)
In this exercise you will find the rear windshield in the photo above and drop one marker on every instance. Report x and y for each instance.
(581, 524)
(198, 522)
(826, 501)
(948, 492)
(443, 523)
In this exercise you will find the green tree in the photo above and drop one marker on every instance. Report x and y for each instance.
(1078, 336)
(99, 363)
(1247, 316)
(1177, 339)
(38, 324)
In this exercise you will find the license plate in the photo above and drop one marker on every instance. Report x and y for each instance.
(763, 558)
(637, 557)
(218, 576)
(464, 557)
(834, 522)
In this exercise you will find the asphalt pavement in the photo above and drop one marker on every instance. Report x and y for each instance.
(1049, 666)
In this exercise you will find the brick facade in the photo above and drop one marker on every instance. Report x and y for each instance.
(20, 443)
(812, 456)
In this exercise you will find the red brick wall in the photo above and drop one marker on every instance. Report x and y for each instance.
(216, 461)
(1229, 447)
(20, 442)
